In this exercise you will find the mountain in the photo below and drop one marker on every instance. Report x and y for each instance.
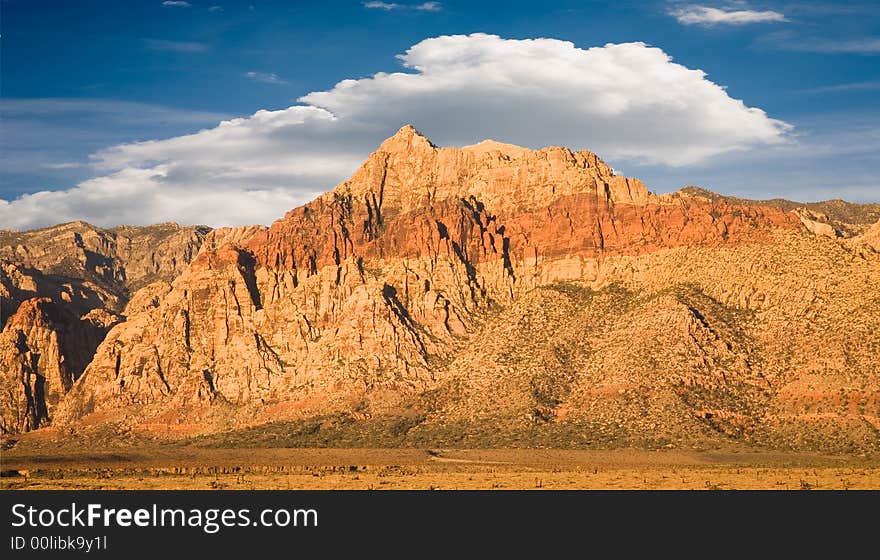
(843, 219)
(61, 289)
(489, 295)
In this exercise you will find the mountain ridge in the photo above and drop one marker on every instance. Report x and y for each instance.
(433, 278)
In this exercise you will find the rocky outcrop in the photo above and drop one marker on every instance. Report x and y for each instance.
(872, 237)
(239, 236)
(120, 260)
(816, 223)
(60, 292)
(846, 219)
(50, 326)
(45, 349)
(19, 283)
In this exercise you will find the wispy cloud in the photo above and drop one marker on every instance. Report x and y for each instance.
(65, 165)
(806, 170)
(214, 9)
(265, 77)
(423, 7)
(175, 46)
(103, 110)
(176, 4)
(429, 7)
(852, 86)
(695, 14)
(381, 6)
(787, 41)
(864, 45)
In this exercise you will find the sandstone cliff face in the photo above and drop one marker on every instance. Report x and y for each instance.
(16, 285)
(46, 348)
(239, 236)
(872, 236)
(19, 283)
(119, 260)
(156, 253)
(816, 223)
(60, 292)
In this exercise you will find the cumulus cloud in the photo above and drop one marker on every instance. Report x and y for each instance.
(627, 102)
(695, 14)
(265, 77)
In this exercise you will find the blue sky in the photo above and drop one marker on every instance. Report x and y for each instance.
(82, 77)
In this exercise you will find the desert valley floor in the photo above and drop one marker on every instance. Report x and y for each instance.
(39, 465)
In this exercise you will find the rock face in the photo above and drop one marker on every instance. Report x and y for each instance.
(872, 236)
(816, 223)
(495, 295)
(240, 236)
(46, 348)
(61, 289)
(846, 219)
(19, 283)
(119, 260)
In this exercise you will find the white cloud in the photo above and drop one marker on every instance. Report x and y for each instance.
(704, 15)
(214, 9)
(139, 196)
(265, 77)
(424, 7)
(627, 102)
(176, 4)
(381, 6)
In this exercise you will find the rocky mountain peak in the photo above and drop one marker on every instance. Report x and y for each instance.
(406, 139)
(409, 172)
(490, 146)
(34, 312)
